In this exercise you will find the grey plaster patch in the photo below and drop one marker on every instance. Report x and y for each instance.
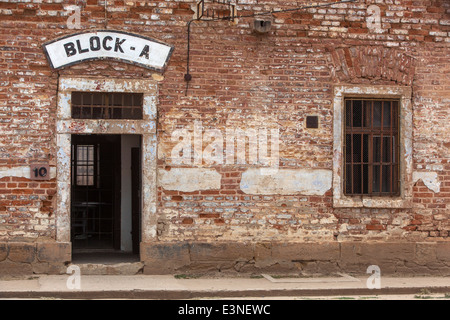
(287, 181)
(430, 179)
(21, 172)
(189, 179)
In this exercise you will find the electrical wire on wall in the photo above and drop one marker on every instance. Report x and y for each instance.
(106, 14)
(188, 76)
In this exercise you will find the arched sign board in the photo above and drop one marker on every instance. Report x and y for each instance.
(104, 44)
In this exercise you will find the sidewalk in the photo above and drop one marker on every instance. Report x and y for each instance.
(169, 287)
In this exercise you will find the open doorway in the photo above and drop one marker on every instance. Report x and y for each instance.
(105, 197)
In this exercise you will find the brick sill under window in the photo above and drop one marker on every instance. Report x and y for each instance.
(371, 202)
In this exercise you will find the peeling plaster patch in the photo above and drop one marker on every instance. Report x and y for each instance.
(63, 182)
(430, 179)
(189, 179)
(104, 126)
(21, 172)
(64, 111)
(98, 85)
(149, 106)
(157, 77)
(287, 181)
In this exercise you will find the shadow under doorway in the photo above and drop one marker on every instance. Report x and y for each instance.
(104, 257)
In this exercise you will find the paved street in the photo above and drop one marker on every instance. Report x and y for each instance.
(168, 287)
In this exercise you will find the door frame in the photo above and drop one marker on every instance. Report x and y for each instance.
(136, 195)
(66, 127)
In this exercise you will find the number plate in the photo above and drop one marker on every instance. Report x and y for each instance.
(39, 171)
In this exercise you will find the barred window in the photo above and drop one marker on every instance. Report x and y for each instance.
(84, 159)
(371, 147)
(107, 105)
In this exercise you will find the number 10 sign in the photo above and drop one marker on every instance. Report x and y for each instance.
(39, 171)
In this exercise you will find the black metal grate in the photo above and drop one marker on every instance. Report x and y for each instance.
(84, 165)
(95, 167)
(371, 147)
(107, 105)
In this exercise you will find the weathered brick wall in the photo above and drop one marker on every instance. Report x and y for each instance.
(240, 80)
(281, 78)
(27, 209)
(431, 142)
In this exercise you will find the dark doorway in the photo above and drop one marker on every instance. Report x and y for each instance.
(96, 182)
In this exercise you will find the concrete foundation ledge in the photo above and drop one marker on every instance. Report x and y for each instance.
(322, 258)
(22, 258)
(325, 258)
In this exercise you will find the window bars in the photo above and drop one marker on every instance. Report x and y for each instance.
(371, 147)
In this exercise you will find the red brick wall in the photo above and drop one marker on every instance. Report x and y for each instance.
(432, 101)
(240, 79)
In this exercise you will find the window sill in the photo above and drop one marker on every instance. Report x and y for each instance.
(371, 202)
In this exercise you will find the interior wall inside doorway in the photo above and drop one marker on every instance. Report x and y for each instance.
(128, 142)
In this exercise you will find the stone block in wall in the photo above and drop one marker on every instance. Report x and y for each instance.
(49, 268)
(266, 263)
(357, 257)
(443, 251)
(235, 251)
(425, 253)
(164, 258)
(9, 268)
(3, 251)
(60, 252)
(22, 252)
(222, 257)
(326, 251)
(263, 255)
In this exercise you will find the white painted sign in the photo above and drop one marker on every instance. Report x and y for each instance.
(94, 45)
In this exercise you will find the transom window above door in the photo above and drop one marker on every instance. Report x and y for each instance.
(107, 105)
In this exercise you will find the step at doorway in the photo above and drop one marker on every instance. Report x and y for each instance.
(108, 263)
